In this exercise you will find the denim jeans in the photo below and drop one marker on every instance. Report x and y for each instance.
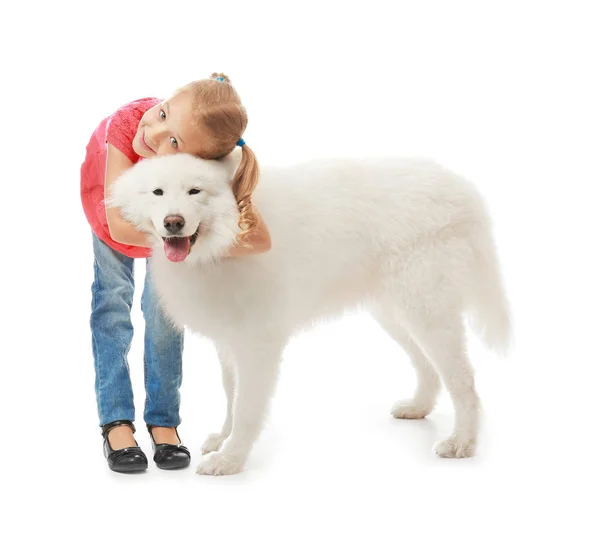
(112, 332)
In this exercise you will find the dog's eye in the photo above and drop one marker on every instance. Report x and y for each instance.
(194, 191)
(158, 192)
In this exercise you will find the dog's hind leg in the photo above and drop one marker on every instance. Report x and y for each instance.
(256, 371)
(443, 340)
(214, 441)
(428, 381)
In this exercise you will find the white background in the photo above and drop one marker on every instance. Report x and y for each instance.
(505, 93)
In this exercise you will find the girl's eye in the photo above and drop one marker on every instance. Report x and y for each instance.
(194, 191)
(158, 192)
(162, 115)
(174, 143)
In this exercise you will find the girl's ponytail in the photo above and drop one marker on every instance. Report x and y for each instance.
(244, 182)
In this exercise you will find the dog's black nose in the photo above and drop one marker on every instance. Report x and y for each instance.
(174, 223)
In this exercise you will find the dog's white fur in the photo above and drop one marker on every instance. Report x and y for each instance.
(405, 239)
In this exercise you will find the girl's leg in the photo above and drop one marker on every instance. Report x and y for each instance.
(163, 348)
(112, 331)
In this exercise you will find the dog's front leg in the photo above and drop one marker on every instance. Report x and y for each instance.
(256, 369)
(215, 440)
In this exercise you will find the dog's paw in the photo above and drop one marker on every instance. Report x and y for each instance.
(212, 443)
(220, 464)
(453, 447)
(404, 409)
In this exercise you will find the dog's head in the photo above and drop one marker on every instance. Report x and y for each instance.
(184, 202)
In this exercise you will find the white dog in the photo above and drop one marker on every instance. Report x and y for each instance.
(405, 239)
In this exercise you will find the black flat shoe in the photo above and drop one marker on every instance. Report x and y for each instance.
(125, 460)
(169, 456)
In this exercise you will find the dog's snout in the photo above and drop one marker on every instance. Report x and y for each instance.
(174, 223)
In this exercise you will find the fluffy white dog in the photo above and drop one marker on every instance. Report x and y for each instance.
(404, 239)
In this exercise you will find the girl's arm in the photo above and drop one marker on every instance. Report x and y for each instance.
(120, 230)
(258, 242)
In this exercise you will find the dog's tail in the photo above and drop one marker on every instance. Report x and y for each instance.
(489, 311)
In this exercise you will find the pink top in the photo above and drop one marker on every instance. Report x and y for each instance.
(119, 129)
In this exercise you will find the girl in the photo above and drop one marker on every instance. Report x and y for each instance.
(205, 118)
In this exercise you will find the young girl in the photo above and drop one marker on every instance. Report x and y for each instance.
(205, 118)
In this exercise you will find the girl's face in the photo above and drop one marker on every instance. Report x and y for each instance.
(168, 128)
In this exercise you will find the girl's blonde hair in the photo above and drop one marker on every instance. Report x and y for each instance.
(222, 120)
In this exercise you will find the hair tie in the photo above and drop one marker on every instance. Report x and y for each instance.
(220, 79)
(241, 142)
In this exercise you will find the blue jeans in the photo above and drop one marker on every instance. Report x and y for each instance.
(112, 332)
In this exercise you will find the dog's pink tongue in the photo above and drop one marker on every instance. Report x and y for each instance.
(177, 248)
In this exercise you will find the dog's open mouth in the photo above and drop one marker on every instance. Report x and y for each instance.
(178, 248)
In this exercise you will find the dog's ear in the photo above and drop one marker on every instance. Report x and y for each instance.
(231, 162)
